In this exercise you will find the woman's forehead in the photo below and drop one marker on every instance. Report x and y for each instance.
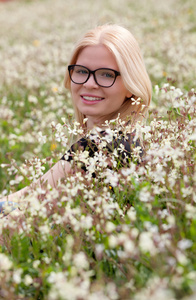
(97, 56)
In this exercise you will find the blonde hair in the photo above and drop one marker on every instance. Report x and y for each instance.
(122, 44)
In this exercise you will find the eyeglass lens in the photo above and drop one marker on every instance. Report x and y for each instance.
(103, 77)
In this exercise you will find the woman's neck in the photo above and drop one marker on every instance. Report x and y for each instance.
(92, 122)
(100, 121)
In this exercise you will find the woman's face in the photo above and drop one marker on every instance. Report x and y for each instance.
(92, 100)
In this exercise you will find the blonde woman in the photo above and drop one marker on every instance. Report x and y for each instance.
(107, 78)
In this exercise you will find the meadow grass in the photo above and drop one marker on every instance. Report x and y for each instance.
(129, 233)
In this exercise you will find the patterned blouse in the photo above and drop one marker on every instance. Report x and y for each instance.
(123, 145)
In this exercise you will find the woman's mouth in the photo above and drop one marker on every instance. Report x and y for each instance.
(92, 99)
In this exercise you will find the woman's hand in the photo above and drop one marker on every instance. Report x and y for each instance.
(7, 206)
(15, 197)
(14, 217)
(11, 202)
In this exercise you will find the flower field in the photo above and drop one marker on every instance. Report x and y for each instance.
(128, 233)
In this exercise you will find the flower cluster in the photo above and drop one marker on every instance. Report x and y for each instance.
(116, 229)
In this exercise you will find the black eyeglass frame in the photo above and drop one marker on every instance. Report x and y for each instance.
(71, 67)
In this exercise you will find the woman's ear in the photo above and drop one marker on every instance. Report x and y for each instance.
(129, 95)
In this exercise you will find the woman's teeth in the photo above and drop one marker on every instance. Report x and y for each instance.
(91, 98)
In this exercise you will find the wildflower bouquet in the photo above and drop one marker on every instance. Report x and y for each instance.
(130, 231)
(123, 234)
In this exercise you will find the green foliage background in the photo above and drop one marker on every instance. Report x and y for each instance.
(40, 250)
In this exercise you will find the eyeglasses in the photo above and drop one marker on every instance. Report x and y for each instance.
(104, 77)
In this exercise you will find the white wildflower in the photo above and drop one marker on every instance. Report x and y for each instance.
(28, 280)
(32, 99)
(47, 260)
(111, 177)
(184, 244)
(113, 241)
(192, 276)
(44, 229)
(80, 261)
(41, 138)
(36, 263)
(151, 227)
(17, 276)
(99, 249)
(135, 101)
(187, 191)
(156, 89)
(5, 262)
(131, 213)
(159, 174)
(86, 222)
(181, 258)
(112, 291)
(110, 227)
(146, 243)
(171, 220)
(144, 195)
(134, 233)
(129, 246)
(156, 288)
(193, 136)
(190, 211)
(129, 171)
(85, 120)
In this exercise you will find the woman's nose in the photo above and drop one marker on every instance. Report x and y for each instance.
(91, 83)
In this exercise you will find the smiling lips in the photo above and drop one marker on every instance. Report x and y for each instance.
(93, 99)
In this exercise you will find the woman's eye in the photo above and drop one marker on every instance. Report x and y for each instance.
(81, 71)
(107, 74)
